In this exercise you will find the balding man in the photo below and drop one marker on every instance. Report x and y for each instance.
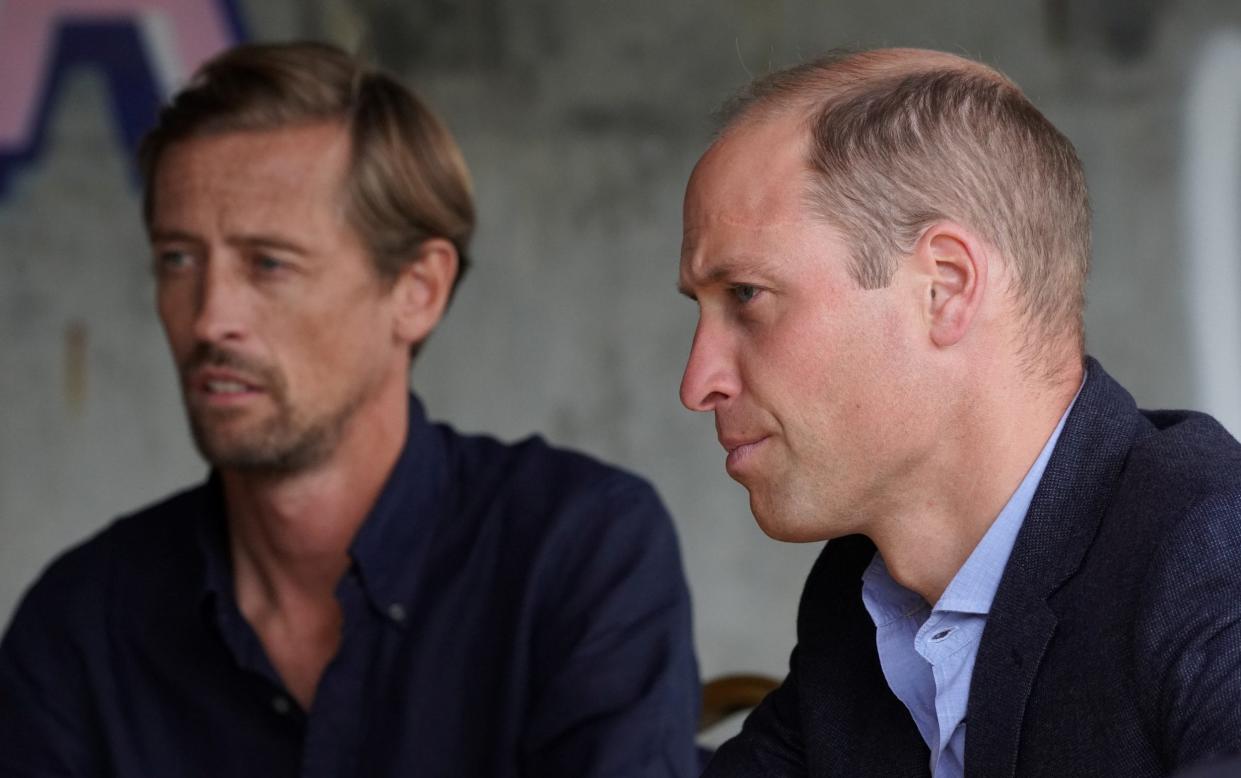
(1026, 574)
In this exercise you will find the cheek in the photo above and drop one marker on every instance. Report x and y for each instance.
(345, 336)
(794, 372)
(841, 369)
(319, 344)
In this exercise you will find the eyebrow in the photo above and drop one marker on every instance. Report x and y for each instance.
(158, 235)
(722, 271)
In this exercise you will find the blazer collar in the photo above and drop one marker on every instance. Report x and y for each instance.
(1061, 524)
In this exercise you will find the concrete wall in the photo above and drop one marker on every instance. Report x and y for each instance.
(581, 121)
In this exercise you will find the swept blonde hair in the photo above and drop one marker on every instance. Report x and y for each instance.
(407, 180)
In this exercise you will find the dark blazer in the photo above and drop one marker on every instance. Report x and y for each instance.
(1221, 768)
(1113, 647)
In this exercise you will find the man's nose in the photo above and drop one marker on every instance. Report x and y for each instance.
(710, 374)
(221, 305)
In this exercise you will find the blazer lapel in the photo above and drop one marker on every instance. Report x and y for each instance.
(1058, 530)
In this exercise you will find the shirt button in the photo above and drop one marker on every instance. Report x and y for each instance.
(281, 704)
(396, 612)
(943, 633)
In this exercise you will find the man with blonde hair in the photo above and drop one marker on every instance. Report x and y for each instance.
(1025, 574)
(354, 591)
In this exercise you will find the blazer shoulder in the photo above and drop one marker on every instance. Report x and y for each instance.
(1188, 454)
(1190, 603)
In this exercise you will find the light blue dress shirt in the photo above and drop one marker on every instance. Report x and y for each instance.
(927, 654)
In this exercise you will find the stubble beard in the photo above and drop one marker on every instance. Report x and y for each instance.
(285, 441)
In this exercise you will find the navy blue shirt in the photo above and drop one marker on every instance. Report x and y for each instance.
(510, 611)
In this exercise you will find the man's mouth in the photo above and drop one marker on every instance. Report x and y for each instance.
(226, 387)
(740, 452)
(222, 388)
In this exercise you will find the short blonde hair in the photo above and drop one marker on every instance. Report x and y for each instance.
(900, 139)
(407, 180)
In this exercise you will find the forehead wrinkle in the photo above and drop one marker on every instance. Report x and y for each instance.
(267, 189)
(332, 163)
(326, 175)
(746, 197)
(268, 240)
(739, 186)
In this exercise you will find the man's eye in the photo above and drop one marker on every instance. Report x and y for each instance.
(744, 293)
(169, 261)
(267, 264)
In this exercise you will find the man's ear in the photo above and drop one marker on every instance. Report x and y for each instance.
(422, 289)
(955, 264)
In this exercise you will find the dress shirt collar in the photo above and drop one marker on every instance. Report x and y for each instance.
(973, 588)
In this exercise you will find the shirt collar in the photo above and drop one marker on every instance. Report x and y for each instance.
(887, 601)
(211, 535)
(974, 586)
(388, 550)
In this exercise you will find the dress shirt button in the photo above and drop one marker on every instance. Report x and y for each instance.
(281, 704)
(396, 612)
(943, 633)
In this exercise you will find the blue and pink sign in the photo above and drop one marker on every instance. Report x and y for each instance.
(145, 49)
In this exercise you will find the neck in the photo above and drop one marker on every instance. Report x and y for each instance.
(996, 434)
(289, 536)
(290, 532)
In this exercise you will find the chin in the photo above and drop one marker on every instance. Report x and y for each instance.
(781, 523)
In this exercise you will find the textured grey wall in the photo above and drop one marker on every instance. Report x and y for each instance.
(581, 121)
